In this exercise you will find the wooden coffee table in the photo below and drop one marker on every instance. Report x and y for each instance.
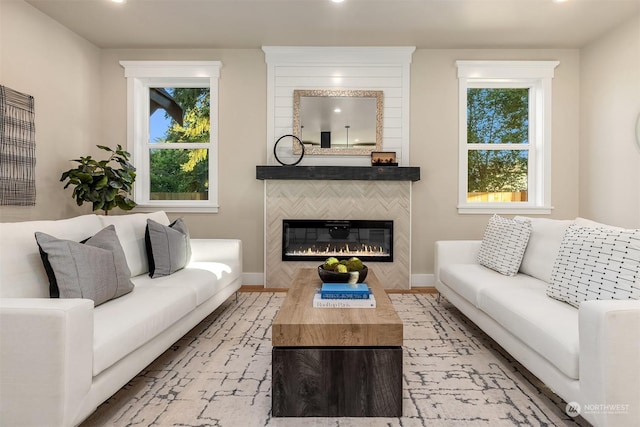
(336, 362)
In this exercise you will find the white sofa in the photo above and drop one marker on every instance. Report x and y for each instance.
(61, 358)
(589, 356)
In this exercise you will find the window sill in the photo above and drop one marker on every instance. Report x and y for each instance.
(489, 209)
(178, 209)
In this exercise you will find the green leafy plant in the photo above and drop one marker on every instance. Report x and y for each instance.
(96, 181)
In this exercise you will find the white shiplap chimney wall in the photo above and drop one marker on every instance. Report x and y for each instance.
(361, 68)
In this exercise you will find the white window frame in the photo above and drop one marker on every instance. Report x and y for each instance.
(142, 75)
(537, 77)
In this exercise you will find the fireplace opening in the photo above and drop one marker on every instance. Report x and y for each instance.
(306, 240)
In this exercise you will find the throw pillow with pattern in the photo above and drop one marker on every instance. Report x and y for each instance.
(596, 264)
(503, 244)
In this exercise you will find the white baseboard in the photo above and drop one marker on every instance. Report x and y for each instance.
(253, 279)
(417, 280)
(423, 280)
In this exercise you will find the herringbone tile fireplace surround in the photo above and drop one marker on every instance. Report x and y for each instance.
(341, 200)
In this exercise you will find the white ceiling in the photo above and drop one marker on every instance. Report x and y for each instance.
(420, 23)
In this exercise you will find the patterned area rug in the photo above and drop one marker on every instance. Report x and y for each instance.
(219, 374)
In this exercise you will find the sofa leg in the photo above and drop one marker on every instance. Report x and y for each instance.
(236, 297)
(438, 298)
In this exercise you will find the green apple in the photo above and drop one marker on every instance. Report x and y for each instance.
(341, 268)
(330, 263)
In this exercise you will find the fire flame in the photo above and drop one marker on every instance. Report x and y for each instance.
(335, 250)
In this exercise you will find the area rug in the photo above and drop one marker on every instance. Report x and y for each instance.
(219, 374)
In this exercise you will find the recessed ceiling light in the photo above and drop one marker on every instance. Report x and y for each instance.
(337, 110)
(337, 1)
(119, 1)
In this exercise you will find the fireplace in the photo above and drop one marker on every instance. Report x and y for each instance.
(308, 240)
(322, 199)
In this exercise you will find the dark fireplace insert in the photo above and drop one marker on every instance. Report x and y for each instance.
(308, 239)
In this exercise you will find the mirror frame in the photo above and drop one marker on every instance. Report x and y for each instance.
(378, 95)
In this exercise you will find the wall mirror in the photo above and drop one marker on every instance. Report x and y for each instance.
(338, 122)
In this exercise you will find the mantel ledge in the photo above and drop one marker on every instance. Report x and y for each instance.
(339, 173)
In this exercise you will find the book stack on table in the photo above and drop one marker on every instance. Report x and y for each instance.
(344, 295)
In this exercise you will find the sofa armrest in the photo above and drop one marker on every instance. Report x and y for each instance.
(449, 252)
(46, 357)
(203, 250)
(609, 355)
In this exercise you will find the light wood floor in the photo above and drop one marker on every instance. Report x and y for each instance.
(420, 290)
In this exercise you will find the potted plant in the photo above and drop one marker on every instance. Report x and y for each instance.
(96, 181)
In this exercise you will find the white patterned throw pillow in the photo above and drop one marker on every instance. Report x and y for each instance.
(503, 244)
(596, 264)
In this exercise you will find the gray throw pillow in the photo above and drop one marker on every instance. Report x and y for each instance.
(95, 269)
(168, 247)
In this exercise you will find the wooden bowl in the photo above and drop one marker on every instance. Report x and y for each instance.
(328, 276)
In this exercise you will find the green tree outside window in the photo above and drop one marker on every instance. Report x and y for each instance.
(178, 173)
(498, 138)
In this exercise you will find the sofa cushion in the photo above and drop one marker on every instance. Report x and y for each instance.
(503, 244)
(22, 274)
(469, 280)
(125, 324)
(204, 278)
(226, 271)
(542, 249)
(95, 268)
(596, 264)
(548, 326)
(583, 222)
(131, 229)
(168, 248)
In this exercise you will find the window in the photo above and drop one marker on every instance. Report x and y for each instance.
(173, 133)
(505, 136)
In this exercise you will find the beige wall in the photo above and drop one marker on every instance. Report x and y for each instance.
(434, 144)
(40, 57)
(610, 101)
(242, 142)
(434, 118)
(80, 95)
